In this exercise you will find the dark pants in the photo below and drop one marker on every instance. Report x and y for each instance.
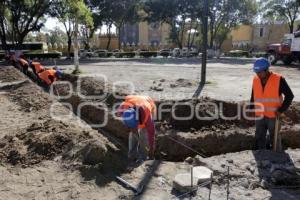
(262, 140)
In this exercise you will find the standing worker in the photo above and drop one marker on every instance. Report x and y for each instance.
(267, 95)
(137, 114)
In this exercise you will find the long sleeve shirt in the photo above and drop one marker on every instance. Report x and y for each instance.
(286, 91)
(149, 124)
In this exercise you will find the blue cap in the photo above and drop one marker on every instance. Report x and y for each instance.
(129, 118)
(59, 73)
(260, 65)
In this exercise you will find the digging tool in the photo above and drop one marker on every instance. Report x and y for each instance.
(137, 191)
(276, 134)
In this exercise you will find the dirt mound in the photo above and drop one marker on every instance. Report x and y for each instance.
(37, 136)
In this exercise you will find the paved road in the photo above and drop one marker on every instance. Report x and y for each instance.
(228, 79)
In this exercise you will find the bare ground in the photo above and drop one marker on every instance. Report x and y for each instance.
(44, 158)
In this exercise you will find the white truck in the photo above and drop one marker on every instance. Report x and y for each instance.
(287, 51)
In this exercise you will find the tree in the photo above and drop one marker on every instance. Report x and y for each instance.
(175, 13)
(20, 17)
(56, 36)
(287, 10)
(227, 14)
(70, 13)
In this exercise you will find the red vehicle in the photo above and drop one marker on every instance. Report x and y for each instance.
(287, 51)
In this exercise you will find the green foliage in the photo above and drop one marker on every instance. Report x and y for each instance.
(20, 17)
(287, 10)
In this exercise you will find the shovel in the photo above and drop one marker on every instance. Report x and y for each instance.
(277, 135)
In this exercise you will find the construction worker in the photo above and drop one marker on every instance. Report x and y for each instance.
(36, 67)
(48, 76)
(23, 64)
(137, 114)
(267, 95)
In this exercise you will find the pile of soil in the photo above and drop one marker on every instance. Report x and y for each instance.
(33, 135)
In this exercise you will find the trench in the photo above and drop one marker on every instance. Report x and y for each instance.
(211, 127)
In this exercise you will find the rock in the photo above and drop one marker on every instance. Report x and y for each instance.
(173, 85)
(93, 153)
(203, 174)
(198, 160)
(264, 184)
(230, 161)
(182, 183)
(158, 88)
(162, 80)
(244, 183)
(159, 84)
(189, 160)
(253, 185)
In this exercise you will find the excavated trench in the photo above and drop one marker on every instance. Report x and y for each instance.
(186, 128)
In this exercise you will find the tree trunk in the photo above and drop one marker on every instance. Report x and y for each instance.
(69, 45)
(211, 43)
(291, 26)
(109, 36)
(189, 36)
(76, 58)
(182, 34)
(119, 36)
(193, 39)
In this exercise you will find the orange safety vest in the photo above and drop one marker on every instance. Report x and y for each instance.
(23, 62)
(144, 102)
(44, 75)
(37, 66)
(267, 100)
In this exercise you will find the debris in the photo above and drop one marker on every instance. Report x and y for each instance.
(182, 182)
(203, 174)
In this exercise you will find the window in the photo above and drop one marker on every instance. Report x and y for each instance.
(261, 32)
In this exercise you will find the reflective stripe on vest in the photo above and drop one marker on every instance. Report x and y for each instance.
(144, 102)
(267, 100)
(45, 75)
(38, 67)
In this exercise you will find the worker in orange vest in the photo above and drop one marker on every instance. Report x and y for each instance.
(137, 114)
(23, 65)
(267, 95)
(48, 76)
(36, 67)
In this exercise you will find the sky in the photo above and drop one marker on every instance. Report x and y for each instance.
(51, 23)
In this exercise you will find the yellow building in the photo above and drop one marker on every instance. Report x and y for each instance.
(255, 37)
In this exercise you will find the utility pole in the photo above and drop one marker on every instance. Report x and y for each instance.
(204, 48)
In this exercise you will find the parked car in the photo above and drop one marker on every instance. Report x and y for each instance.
(165, 52)
(102, 53)
(176, 52)
(83, 53)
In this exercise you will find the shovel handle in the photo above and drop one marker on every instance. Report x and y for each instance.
(275, 139)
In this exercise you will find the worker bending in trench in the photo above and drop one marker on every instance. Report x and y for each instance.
(23, 64)
(47, 77)
(267, 95)
(137, 114)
